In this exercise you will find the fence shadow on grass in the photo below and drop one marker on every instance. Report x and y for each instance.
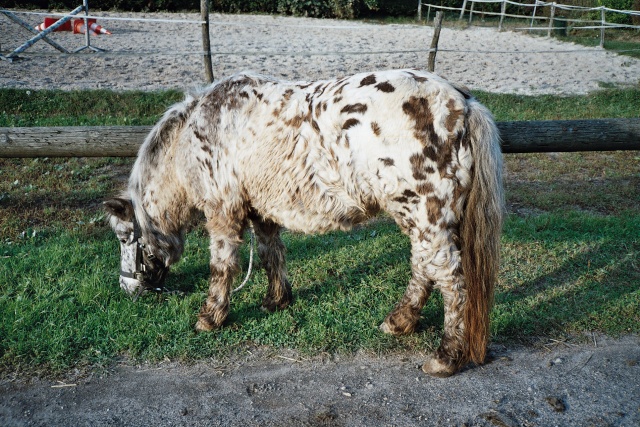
(590, 290)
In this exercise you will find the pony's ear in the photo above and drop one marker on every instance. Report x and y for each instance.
(120, 208)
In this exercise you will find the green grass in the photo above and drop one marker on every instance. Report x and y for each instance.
(20, 107)
(570, 251)
(561, 273)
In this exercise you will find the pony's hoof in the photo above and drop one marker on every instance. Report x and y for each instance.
(271, 306)
(205, 325)
(438, 369)
(385, 328)
(390, 326)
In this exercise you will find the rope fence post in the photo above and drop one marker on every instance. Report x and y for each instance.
(471, 11)
(431, 65)
(464, 5)
(551, 17)
(533, 15)
(503, 9)
(602, 23)
(419, 10)
(206, 42)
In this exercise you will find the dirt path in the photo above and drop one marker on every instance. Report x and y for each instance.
(569, 385)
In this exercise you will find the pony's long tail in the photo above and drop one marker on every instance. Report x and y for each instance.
(481, 228)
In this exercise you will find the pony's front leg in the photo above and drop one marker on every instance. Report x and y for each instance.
(224, 267)
(272, 255)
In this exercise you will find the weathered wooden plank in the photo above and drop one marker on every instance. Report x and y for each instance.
(517, 137)
(71, 141)
(570, 135)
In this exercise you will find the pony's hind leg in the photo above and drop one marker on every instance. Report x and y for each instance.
(435, 260)
(445, 270)
(451, 355)
(224, 245)
(405, 316)
(272, 255)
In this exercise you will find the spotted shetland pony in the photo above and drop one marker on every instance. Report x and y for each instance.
(320, 156)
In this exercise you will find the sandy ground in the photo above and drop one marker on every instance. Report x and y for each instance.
(157, 55)
(594, 384)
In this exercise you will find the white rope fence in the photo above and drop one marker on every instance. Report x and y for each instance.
(208, 52)
(553, 17)
(305, 53)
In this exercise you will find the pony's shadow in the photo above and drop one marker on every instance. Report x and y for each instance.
(190, 276)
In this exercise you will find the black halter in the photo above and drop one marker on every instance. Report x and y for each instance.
(148, 281)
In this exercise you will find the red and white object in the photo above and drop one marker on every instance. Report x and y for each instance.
(79, 28)
(49, 22)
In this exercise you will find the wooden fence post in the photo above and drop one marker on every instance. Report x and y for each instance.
(431, 65)
(206, 42)
(419, 10)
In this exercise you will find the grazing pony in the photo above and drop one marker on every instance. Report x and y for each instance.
(320, 156)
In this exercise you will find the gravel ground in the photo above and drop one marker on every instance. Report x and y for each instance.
(595, 384)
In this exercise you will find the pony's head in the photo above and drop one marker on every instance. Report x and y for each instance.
(140, 269)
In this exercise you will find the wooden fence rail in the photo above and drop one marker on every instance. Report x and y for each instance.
(517, 137)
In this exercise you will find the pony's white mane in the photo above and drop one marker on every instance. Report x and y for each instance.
(146, 188)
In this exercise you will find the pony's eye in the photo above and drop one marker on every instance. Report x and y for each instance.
(123, 241)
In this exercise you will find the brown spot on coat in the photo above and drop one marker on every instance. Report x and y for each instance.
(434, 209)
(401, 199)
(387, 161)
(375, 128)
(295, 121)
(354, 108)
(454, 115)
(385, 87)
(257, 94)
(350, 123)
(369, 80)
(418, 165)
(425, 188)
(418, 109)
(339, 90)
(430, 152)
(417, 78)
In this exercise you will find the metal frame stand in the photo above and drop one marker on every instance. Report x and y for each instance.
(42, 35)
(87, 39)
